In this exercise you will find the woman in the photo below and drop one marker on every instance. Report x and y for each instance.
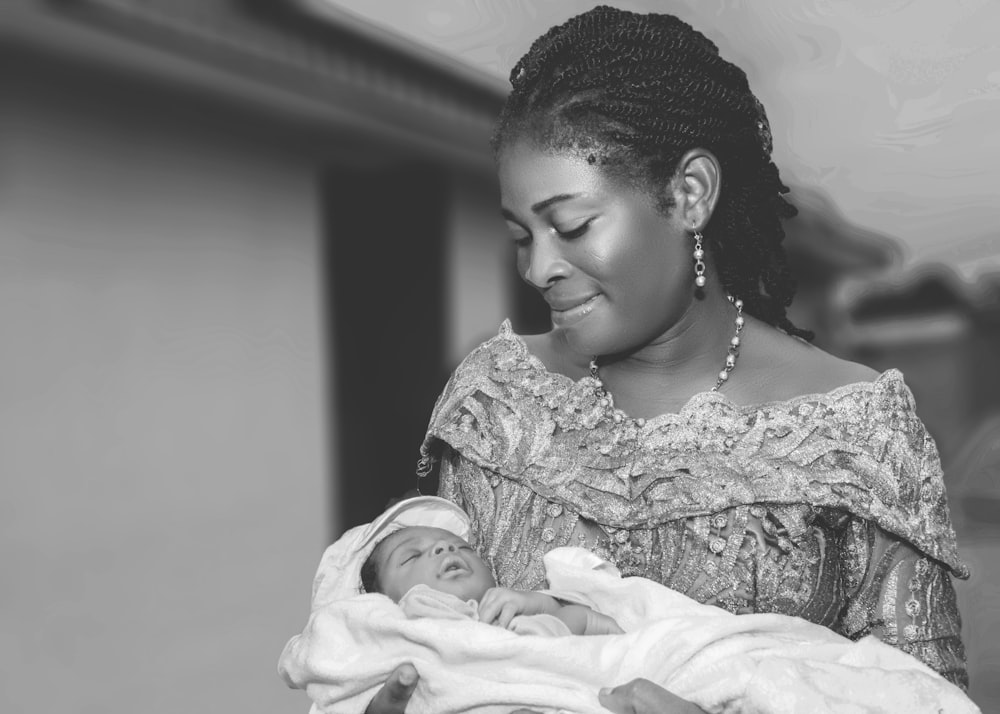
(673, 420)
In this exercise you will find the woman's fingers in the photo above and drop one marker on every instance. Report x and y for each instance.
(395, 694)
(617, 700)
(640, 696)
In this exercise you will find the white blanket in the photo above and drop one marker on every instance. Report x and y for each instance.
(762, 663)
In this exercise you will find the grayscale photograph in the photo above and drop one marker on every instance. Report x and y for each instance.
(499, 356)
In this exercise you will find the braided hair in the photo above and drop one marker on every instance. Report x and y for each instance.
(634, 93)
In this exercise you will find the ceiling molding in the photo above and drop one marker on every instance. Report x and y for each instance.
(281, 55)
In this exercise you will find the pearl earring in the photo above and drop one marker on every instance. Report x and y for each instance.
(699, 263)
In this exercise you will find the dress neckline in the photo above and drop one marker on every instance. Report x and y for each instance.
(701, 399)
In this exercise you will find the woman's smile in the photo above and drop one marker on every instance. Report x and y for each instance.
(569, 312)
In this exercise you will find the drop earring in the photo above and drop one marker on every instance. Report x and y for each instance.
(699, 262)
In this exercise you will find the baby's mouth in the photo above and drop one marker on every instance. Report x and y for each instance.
(453, 566)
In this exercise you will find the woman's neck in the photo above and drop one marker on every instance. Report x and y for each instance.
(664, 374)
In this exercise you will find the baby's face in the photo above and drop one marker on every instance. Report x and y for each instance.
(419, 555)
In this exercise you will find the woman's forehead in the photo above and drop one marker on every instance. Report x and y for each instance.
(529, 174)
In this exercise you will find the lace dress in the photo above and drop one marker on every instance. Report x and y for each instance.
(830, 507)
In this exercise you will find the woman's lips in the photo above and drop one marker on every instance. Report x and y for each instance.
(571, 315)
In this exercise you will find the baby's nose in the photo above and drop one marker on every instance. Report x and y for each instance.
(440, 548)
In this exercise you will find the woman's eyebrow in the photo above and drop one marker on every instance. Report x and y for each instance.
(541, 205)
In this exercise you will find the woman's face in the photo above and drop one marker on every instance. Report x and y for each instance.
(616, 271)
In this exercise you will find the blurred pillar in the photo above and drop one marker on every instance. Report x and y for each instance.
(384, 239)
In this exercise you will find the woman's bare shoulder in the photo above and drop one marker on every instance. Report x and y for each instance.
(784, 367)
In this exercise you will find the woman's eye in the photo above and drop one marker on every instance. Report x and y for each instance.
(574, 232)
(521, 240)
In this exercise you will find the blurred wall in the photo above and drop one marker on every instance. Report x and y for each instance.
(175, 440)
(480, 265)
(163, 436)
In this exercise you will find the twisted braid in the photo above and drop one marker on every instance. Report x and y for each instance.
(635, 92)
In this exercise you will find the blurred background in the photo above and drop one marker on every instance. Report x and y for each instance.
(243, 243)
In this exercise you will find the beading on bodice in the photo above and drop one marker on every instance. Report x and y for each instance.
(787, 506)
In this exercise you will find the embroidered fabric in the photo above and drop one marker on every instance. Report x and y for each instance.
(830, 507)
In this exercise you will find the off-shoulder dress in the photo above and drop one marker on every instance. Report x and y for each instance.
(830, 507)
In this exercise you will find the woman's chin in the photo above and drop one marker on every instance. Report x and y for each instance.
(585, 343)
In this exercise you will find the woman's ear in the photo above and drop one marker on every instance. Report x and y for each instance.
(696, 187)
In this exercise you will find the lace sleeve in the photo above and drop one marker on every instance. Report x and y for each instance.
(448, 480)
(470, 487)
(903, 598)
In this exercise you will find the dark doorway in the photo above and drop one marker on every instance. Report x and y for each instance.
(385, 236)
(530, 313)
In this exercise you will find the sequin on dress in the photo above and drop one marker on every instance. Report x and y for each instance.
(830, 507)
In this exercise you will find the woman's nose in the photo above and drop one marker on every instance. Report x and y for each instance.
(545, 263)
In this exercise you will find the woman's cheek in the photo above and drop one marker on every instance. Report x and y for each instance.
(522, 262)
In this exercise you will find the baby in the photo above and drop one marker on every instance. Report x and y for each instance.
(445, 562)
(408, 587)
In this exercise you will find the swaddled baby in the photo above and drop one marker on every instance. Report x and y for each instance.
(409, 588)
(404, 564)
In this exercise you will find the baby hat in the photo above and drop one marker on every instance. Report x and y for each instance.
(339, 574)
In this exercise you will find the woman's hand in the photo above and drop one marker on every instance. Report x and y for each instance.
(395, 694)
(640, 696)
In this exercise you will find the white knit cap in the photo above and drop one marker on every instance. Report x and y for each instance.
(339, 573)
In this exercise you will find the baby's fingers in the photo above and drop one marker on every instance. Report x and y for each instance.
(490, 604)
(508, 612)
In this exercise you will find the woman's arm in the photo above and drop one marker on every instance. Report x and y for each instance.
(904, 598)
(900, 556)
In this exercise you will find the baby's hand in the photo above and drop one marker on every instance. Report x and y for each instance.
(500, 605)
(598, 624)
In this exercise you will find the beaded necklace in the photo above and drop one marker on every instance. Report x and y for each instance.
(732, 353)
